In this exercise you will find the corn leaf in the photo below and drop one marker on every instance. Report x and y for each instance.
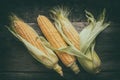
(88, 34)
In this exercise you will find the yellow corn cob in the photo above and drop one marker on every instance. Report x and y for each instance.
(61, 16)
(56, 41)
(71, 34)
(85, 43)
(26, 32)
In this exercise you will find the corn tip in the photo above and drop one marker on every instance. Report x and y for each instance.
(58, 69)
(75, 68)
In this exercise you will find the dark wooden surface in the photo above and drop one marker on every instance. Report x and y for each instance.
(17, 64)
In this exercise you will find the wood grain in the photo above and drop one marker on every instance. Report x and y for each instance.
(17, 64)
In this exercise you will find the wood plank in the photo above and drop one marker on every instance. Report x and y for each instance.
(107, 49)
(15, 57)
(67, 76)
(29, 76)
(19, 59)
(108, 36)
(17, 63)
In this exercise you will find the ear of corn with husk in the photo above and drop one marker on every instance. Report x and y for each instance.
(60, 16)
(56, 41)
(83, 48)
(34, 44)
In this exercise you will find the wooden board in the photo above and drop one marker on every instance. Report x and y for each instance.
(17, 64)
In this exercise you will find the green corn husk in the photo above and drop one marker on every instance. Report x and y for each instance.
(49, 60)
(87, 56)
(91, 31)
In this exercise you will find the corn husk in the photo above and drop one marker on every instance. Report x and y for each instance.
(49, 60)
(87, 56)
(91, 31)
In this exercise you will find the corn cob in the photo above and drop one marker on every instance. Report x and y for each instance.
(27, 33)
(61, 17)
(86, 54)
(57, 42)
